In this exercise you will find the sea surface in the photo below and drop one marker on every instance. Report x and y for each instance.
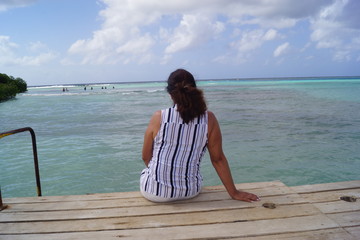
(299, 131)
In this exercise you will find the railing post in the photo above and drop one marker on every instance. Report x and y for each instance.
(2, 206)
(36, 162)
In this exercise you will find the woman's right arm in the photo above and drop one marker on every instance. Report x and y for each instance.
(150, 133)
(220, 162)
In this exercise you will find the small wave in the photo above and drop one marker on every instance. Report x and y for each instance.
(55, 94)
(89, 92)
(52, 86)
(154, 90)
(128, 92)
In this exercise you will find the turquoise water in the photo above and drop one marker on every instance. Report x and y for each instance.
(299, 131)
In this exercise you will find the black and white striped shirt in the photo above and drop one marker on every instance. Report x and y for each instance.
(174, 170)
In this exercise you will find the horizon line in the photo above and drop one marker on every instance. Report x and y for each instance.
(208, 79)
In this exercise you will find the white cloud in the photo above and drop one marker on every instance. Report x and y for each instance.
(120, 37)
(35, 60)
(6, 47)
(9, 56)
(270, 35)
(194, 23)
(282, 49)
(254, 39)
(132, 30)
(137, 47)
(7, 4)
(193, 31)
(342, 55)
(270, 14)
(307, 45)
(37, 46)
(337, 26)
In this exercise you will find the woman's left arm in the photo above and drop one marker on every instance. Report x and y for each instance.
(150, 133)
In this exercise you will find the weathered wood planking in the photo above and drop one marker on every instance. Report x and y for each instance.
(207, 231)
(328, 234)
(326, 197)
(131, 195)
(52, 205)
(303, 212)
(327, 187)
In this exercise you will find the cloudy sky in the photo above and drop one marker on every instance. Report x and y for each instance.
(87, 41)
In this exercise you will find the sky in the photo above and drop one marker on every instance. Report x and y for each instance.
(48, 42)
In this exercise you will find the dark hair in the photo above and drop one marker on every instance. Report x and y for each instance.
(188, 98)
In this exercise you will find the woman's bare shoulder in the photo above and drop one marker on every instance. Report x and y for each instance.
(210, 114)
(156, 117)
(211, 117)
(157, 113)
(212, 121)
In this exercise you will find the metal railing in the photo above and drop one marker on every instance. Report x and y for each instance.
(36, 163)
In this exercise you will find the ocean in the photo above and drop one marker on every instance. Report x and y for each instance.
(298, 131)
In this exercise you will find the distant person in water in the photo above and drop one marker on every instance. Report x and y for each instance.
(176, 140)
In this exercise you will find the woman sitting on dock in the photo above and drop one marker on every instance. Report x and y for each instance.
(176, 140)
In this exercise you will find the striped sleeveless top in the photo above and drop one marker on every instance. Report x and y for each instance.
(174, 170)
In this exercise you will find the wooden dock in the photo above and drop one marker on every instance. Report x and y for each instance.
(302, 212)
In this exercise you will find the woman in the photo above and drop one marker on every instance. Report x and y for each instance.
(176, 140)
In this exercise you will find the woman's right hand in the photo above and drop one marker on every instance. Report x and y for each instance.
(244, 196)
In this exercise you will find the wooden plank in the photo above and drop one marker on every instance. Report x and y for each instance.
(152, 221)
(262, 186)
(329, 196)
(248, 186)
(328, 234)
(338, 206)
(87, 197)
(354, 231)
(54, 205)
(346, 219)
(326, 186)
(266, 191)
(214, 231)
(68, 205)
(181, 207)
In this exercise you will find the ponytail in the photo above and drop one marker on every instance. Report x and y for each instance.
(188, 98)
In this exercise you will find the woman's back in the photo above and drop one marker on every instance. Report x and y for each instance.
(178, 148)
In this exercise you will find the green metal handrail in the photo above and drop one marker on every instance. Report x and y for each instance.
(36, 163)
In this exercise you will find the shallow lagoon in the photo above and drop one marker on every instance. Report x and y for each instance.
(299, 131)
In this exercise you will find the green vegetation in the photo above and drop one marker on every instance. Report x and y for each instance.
(10, 86)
